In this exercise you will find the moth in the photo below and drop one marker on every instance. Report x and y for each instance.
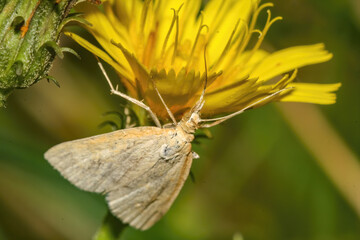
(141, 170)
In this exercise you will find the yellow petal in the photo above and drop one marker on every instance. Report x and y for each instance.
(312, 93)
(235, 70)
(126, 76)
(95, 50)
(227, 98)
(177, 89)
(188, 19)
(288, 59)
(221, 17)
(104, 31)
(141, 74)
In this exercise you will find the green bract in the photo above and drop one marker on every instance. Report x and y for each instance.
(29, 34)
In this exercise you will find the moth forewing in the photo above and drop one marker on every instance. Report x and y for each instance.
(144, 201)
(141, 169)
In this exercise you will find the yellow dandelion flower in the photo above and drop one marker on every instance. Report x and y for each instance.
(164, 42)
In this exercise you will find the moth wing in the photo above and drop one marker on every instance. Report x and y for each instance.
(131, 166)
(143, 201)
(100, 163)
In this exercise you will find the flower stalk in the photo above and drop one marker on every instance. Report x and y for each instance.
(111, 228)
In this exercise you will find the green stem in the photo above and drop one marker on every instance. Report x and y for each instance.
(111, 228)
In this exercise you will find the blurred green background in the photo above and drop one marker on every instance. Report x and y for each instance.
(284, 171)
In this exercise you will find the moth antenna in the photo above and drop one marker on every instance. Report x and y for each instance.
(171, 115)
(206, 79)
(222, 119)
(130, 99)
(200, 103)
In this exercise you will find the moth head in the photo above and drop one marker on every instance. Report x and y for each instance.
(190, 122)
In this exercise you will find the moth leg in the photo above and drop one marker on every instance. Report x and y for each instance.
(195, 155)
(222, 119)
(130, 99)
(171, 115)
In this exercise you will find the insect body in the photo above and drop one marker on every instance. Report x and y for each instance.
(141, 170)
